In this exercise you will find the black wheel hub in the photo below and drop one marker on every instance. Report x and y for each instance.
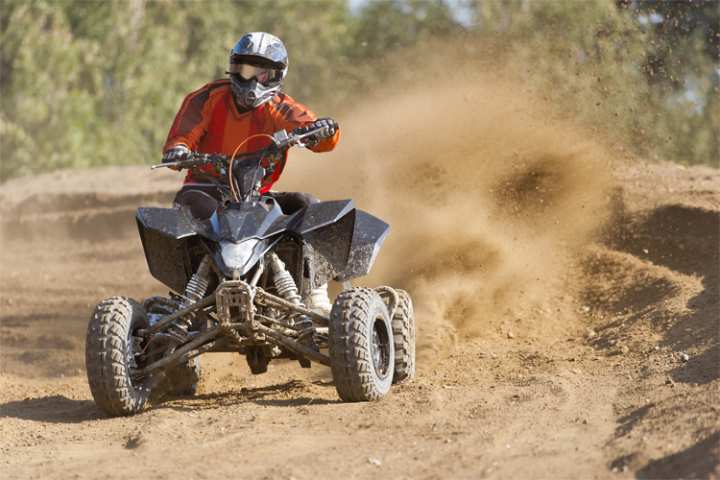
(380, 348)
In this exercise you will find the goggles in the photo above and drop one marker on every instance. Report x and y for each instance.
(263, 75)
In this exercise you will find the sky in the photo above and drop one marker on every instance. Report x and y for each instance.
(461, 13)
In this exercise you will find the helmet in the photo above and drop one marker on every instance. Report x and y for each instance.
(258, 64)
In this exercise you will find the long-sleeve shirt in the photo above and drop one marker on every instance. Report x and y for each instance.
(209, 122)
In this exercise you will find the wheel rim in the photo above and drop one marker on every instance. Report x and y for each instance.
(380, 348)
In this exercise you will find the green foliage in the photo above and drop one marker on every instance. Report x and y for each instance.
(650, 80)
(98, 82)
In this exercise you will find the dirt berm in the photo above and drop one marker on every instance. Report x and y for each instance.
(566, 297)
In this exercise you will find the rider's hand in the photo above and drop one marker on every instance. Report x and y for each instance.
(327, 127)
(176, 153)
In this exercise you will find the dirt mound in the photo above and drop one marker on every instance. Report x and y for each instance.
(93, 204)
(658, 278)
(652, 297)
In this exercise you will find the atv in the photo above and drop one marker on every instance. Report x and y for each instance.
(239, 280)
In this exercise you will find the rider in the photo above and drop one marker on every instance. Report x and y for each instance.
(223, 114)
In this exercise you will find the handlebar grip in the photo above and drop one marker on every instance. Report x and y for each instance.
(300, 134)
(197, 159)
(190, 162)
(194, 160)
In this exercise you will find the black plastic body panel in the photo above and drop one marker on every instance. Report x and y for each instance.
(168, 221)
(345, 241)
(340, 241)
(257, 220)
(330, 248)
(369, 233)
(165, 234)
(319, 215)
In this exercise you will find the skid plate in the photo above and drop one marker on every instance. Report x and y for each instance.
(235, 301)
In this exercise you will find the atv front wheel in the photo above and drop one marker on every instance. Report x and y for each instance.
(362, 352)
(403, 325)
(110, 356)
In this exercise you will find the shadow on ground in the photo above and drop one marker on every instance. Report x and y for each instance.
(60, 409)
(52, 409)
(289, 394)
(701, 460)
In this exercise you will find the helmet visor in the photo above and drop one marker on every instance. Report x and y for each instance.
(265, 76)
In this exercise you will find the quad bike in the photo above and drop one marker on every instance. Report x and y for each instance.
(239, 280)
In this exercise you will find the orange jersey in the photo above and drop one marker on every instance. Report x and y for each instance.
(209, 122)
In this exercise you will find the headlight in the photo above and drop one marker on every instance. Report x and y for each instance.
(236, 256)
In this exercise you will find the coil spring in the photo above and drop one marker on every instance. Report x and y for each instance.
(198, 284)
(196, 288)
(194, 292)
(286, 287)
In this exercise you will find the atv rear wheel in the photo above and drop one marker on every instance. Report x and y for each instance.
(403, 325)
(110, 356)
(361, 346)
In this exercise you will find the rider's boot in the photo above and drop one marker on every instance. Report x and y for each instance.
(319, 301)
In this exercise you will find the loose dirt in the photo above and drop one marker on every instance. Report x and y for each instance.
(566, 298)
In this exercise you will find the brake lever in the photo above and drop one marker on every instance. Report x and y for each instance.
(164, 165)
(178, 164)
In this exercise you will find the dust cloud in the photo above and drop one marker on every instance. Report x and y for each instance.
(489, 196)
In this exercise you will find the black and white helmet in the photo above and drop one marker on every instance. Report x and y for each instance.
(258, 64)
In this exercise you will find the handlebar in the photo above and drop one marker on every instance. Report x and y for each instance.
(282, 140)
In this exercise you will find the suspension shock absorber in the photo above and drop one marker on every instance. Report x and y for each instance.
(195, 291)
(286, 288)
(284, 283)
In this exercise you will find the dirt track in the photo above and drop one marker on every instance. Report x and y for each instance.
(567, 317)
(610, 394)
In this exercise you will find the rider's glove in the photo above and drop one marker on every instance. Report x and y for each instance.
(328, 128)
(178, 152)
(328, 125)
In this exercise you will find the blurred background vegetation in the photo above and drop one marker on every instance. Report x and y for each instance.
(95, 82)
